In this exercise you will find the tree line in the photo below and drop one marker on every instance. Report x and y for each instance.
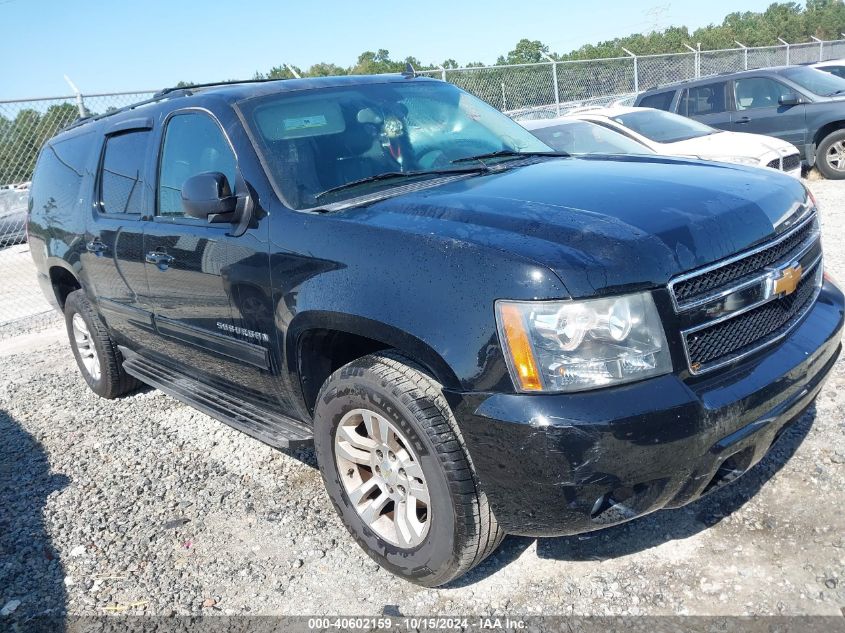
(824, 19)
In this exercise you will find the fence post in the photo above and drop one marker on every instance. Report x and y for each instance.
(821, 46)
(554, 80)
(744, 52)
(442, 73)
(697, 62)
(504, 99)
(785, 43)
(636, 70)
(80, 104)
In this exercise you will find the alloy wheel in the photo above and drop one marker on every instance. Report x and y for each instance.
(85, 346)
(836, 156)
(382, 477)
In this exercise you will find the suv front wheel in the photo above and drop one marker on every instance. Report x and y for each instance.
(395, 468)
(830, 156)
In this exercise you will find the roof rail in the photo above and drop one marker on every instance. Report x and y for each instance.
(161, 95)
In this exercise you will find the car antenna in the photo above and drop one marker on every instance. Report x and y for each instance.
(409, 72)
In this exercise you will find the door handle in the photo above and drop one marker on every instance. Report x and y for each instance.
(97, 247)
(160, 259)
(742, 120)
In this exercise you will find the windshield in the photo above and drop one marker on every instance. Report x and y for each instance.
(581, 137)
(663, 127)
(317, 141)
(816, 81)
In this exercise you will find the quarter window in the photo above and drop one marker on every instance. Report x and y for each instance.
(702, 100)
(660, 101)
(758, 92)
(121, 178)
(193, 144)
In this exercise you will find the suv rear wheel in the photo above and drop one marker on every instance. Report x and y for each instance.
(99, 360)
(830, 156)
(395, 468)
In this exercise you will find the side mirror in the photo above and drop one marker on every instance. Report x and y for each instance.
(208, 196)
(790, 99)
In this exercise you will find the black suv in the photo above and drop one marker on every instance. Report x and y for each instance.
(799, 104)
(480, 336)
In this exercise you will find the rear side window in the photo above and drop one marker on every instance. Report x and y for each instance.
(122, 173)
(706, 99)
(193, 144)
(660, 100)
(59, 172)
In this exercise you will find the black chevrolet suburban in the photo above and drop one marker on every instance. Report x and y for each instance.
(479, 335)
(799, 104)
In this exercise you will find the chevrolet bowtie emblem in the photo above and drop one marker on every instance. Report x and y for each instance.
(788, 280)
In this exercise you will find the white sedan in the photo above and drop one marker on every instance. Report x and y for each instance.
(674, 135)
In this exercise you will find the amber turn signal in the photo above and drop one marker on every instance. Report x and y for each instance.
(520, 348)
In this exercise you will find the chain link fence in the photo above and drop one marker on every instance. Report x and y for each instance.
(25, 124)
(541, 90)
(552, 88)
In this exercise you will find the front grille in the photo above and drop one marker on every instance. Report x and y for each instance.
(744, 303)
(793, 161)
(774, 164)
(746, 331)
(690, 288)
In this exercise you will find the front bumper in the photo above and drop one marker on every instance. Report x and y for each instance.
(569, 463)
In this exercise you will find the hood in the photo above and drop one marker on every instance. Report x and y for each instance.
(758, 146)
(602, 224)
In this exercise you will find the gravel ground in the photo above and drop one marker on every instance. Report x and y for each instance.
(143, 505)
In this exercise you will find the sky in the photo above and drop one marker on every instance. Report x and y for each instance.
(124, 45)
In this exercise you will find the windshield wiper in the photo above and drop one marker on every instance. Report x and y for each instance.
(507, 153)
(390, 175)
(835, 92)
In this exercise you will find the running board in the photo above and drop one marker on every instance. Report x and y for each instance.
(271, 428)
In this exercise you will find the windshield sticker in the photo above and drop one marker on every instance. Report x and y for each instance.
(305, 122)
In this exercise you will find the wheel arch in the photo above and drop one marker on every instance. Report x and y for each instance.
(827, 128)
(318, 343)
(63, 280)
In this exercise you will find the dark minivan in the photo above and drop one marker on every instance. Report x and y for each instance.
(479, 335)
(799, 104)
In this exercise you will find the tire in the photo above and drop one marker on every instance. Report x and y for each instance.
(97, 356)
(460, 529)
(833, 143)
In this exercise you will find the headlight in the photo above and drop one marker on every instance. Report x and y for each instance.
(577, 345)
(740, 160)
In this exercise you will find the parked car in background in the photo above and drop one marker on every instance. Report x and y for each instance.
(566, 134)
(798, 104)
(673, 135)
(13, 204)
(833, 66)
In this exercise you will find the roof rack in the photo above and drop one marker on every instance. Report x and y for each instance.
(162, 95)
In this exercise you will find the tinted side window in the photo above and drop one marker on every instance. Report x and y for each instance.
(193, 144)
(121, 177)
(706, 99)
(758, 92)
(58, 173)
(661, 100)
